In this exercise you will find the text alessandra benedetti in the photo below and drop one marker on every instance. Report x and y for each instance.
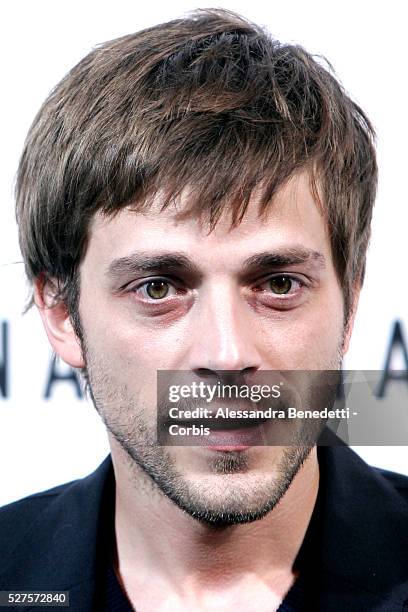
(269, 413)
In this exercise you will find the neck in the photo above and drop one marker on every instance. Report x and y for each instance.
(154, 537)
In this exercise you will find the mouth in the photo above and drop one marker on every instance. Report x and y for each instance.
(218, 425)
(237, 438)
(226, 435)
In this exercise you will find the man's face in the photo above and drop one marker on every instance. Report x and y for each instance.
(161, 294)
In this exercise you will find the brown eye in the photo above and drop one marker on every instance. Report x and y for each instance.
(157, 290)
(280, 284)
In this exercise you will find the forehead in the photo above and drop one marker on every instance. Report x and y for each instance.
(293, 219)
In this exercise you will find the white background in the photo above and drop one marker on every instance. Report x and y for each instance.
(43, 443)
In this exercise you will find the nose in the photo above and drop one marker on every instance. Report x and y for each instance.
(223, 336)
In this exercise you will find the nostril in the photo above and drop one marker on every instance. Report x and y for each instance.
(249, 370)
(205, 372)
(235, 376)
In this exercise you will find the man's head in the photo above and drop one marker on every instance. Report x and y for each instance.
(196, 196)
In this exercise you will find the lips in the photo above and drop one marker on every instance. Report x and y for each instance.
(233, 425)
(227, 435)
(235, 439)
(218, 424)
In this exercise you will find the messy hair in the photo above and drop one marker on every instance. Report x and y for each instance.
(210, 103)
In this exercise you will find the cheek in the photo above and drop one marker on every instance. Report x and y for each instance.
(131, 353)
(307, 339)
(324, 330)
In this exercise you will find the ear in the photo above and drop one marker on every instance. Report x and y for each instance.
(351, 317)
(57, 323)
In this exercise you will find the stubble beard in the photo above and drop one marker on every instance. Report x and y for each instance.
(236, 497)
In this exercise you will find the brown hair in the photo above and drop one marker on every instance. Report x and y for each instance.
(210, 102)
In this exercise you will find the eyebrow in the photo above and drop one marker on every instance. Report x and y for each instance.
(284, 257)
(177, 263)
(146, 263)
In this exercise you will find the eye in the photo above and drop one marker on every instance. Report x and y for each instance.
(155, 290)
(281, 284)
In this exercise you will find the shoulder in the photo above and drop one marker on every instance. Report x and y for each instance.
(363, 533)
(17, 517)
(54, 519)
(399, 482)
(352, 484)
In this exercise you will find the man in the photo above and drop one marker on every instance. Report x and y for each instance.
(197, 197)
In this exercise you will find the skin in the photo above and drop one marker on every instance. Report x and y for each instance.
(219, 316)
